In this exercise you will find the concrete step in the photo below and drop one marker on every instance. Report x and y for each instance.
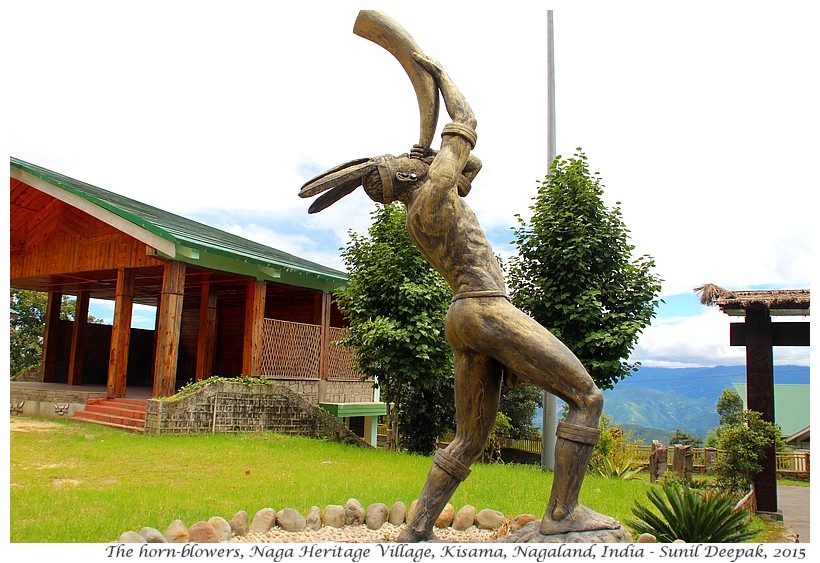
(128, 414)
(116, 410)
(132, 428)
(136, 404)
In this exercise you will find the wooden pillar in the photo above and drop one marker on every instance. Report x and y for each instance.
(206, 339)
(121, 333)
(324, 339)
(75, 362)
(50, 343)
(169, 322)
(254, 327)
(760, 396)
(155, 339)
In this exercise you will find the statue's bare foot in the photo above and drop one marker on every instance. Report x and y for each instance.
(581, 519)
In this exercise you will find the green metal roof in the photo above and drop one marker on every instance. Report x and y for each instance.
(194, 242)
(791, 406)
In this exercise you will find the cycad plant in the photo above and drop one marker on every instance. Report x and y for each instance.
(613, 469)
(694, 516)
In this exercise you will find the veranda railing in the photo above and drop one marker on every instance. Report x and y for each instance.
(294, 351)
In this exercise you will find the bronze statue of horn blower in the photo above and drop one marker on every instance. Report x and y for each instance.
(489, 336)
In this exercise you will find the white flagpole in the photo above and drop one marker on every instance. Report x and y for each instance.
(549, 416)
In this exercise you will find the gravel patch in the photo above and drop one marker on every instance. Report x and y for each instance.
(359, 534)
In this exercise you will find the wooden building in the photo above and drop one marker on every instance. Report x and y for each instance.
(225, 305)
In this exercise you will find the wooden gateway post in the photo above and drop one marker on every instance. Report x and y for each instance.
(759, 335)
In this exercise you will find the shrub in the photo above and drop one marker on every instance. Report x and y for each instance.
(501, 428)
(623, 469)
(613, 457)
(743, 445)
(693, 516)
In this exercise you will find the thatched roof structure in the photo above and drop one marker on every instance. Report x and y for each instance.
(782, 302)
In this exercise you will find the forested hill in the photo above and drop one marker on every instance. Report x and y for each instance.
(655, 401)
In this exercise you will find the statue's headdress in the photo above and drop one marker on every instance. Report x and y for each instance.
(376, 174)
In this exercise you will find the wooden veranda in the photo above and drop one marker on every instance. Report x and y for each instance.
(213, 291)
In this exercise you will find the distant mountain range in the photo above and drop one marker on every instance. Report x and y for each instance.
(654, 402)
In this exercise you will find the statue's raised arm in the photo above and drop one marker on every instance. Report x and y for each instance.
(459, 136)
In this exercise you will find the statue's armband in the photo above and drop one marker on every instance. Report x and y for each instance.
(464, 131)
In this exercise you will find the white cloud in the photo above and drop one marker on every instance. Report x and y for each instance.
(701, 340)
(689, 342)
(298, 244)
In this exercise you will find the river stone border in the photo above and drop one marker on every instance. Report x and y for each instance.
(486, 523)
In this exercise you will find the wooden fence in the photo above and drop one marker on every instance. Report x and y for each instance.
(293, 351)
(789, 464)
(793, 462)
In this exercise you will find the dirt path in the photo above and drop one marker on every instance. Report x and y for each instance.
(26, 424)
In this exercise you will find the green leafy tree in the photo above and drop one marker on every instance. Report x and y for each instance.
(743, 446)
(729, 407)
(685, 439)
(575, 272)
(28, 320)
(396, 303)
(519, 404)
(426, 412)
(28, 323)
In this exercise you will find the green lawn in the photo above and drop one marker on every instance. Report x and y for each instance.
(75, 482)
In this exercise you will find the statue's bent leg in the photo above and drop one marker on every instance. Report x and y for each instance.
(477, 392)
(573, 449)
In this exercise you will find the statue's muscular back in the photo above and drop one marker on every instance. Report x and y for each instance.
(448, 235)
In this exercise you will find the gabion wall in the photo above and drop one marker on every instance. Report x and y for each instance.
(238, 407)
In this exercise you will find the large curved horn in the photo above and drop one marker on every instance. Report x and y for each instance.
(381, 29)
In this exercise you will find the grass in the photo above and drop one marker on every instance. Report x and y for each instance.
(74, 482)
(794, 482)
(79, 483)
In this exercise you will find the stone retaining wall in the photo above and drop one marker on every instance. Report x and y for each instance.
(228, 406)
(329, 391)
(347, 391)
(307, 388)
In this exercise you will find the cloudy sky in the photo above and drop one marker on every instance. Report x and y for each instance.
(701, 118)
